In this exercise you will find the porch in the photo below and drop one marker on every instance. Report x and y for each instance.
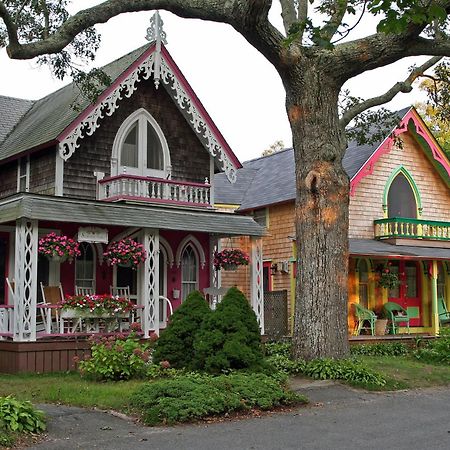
(179, 245)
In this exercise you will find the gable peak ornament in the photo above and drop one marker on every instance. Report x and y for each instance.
(156, 33)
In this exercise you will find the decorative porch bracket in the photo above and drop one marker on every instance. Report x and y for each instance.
(150, 283)
(257, 293)
(25, 280)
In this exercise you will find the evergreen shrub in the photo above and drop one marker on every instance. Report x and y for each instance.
(229, 338)
(176, 343)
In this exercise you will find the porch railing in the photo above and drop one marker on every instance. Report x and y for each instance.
(398, 227)
(131, 187)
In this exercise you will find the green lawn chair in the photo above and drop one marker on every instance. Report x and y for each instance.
(396, 315)
(364, 315)
(444, 314)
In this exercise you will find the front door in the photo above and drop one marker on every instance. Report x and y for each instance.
(407, 293)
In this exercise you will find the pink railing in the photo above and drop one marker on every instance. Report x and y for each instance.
(132, 187)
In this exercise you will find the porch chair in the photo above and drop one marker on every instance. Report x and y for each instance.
(444, 314)
(82, 290)
(364, 315)
(396, 314)
(51, 296)
(124, 292)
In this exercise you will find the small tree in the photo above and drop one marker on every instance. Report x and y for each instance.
(176, 343)
(229, 337)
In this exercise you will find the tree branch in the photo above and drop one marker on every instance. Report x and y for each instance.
(402, 86)
(288, 13)
(339, 8)
(247, 17)
(10, 25)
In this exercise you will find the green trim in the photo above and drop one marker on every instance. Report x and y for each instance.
(412, 229)
(403, 170)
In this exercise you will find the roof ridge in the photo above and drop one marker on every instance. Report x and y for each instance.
(268, 156)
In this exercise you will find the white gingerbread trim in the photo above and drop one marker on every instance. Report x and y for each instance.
(107, 106)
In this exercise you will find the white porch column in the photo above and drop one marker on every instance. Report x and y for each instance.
(25, 280)
(150, 283)
(257, 293)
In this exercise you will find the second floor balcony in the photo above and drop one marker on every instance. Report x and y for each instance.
(155, 190)
(405, 228)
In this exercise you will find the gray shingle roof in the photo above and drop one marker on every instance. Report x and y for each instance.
(271, 179)
(62, 209)
(49, 116)
(11, 111)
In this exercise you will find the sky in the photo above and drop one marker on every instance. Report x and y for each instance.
(239, 88)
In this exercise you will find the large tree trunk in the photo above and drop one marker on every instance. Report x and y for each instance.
(321, 217)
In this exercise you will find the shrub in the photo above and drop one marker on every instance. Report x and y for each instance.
(20, 416)
(189, 398)
(229, 337)
(176, 343)
(436, 351)
(116, 358)
(278, 349)
(388, 349)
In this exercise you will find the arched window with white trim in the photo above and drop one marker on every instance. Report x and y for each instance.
(189, 271)
(140, 147)
(85, 266)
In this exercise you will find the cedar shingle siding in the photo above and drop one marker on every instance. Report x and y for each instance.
(189, 160)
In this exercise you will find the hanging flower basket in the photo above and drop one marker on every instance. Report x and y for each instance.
(386, 278)
(58, 248)
(125, 253)
(230, 259)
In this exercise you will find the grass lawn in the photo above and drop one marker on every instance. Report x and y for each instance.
(404, 372)
(68, 389)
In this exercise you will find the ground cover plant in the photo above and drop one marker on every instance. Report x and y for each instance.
(387, 349)
(17, 418)
(188, 398)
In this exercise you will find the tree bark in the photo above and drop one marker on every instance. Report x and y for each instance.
(321, 215)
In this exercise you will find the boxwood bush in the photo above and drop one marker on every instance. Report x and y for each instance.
(229, 338)
(176, 343)
(188, 398)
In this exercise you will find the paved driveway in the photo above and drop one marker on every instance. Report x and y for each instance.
(338, 418)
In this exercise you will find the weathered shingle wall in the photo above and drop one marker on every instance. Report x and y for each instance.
(189, 160)
(42, 172)
(8, 179)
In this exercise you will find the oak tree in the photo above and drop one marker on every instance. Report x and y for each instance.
(314, 56)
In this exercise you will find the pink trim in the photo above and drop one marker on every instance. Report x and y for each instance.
(6, 306)
(158, 180)
(154, 200)
(386, 146)
(113, 86)
(183, 81)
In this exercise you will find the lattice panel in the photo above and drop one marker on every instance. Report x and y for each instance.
(25, 277)
(275, 314)
(257, 282)
(151, 282)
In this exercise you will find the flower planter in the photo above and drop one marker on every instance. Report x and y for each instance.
(73, 313)
(230, 267)
(57, 259)
(380, 327)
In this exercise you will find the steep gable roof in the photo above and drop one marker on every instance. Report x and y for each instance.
(12, 110)
(54, 119)
(271, 179)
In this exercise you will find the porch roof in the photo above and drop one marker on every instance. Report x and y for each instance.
(373, 248)
(60, 209)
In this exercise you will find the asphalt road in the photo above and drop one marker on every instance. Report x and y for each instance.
(337, 418)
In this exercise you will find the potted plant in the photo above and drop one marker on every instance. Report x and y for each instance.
(58, 248)
(381, 322)
(230, 259)
(386, 278)
(126, 253)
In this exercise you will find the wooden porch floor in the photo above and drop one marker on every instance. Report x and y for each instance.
(388, 338)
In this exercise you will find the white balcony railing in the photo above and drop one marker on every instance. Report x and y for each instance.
(132, 187)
